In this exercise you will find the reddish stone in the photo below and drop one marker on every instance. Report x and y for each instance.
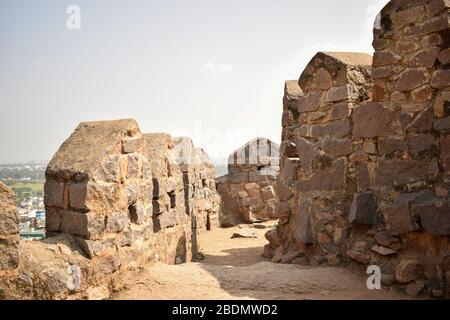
(302, 225)
(362, 177)
(384, 58)
(360, 257)
(411, 79)
(330, 179)
(434, 217)
(444, 143)
(420, 143)
(336, 129)
(337, 148)
(424, 121)
(389, 145)
(339, 111)
(371, 119)
(442, 124)
(337, 94)
(433, 25)
(422, 94)
(309, 102)
(398, 219)
(408, 270)
(425, 58)
(441, 79)
(401, 172)
(378, 91)
(363, 209)
(381, 72)
(444, 57)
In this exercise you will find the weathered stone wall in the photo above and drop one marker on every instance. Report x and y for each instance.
(375, 191)
(318, 158)
(9, 237)
(202, 201)
(115, 200)
(249, 189)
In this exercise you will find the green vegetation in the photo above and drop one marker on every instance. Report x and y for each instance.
(25, 190)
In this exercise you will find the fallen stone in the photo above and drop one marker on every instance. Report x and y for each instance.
(408, 270)
(359, 256)
(244, 233)
(383, 251)
(384, 238)
(415, 288)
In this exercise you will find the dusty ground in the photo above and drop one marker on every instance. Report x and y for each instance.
(235, 269)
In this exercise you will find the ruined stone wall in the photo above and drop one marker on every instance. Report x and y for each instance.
(375, 192)
(115, 200)
(318, 157)
(202, 201)
(249, 192)
(9, 237)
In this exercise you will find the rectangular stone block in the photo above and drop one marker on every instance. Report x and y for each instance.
(97, 248)
(434, 217)
(90, 196)
(165, 220)
(330, 179)
(398, 219)
(420, 143)
(337, 129)
(310, 102)
(303, 227)
(131, 145)
(371, 120)
(401, 172)
(442, 124)
(53, 193)
(338, 94)
(390, 145)
(338, 148)
(237, 178)
(77, 196)
(52, 219)
(89, 225)
(257, 176)
(268, 193)
(363, 210)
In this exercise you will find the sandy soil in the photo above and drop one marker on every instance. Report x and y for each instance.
(235, 269)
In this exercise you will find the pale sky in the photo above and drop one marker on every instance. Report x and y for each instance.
(213, 70)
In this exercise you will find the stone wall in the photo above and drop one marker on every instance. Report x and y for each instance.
(375, 191)
(249, 189)
(115, 200)
(317, 155)
(9, 237)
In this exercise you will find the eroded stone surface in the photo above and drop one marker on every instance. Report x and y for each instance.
(249, 191)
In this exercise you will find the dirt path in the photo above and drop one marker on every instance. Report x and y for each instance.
(234, 269)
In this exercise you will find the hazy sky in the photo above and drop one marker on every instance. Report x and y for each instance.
(213, 70)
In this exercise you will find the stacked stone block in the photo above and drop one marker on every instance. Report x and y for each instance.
(375, 191)
(249, 191)
(317, 155)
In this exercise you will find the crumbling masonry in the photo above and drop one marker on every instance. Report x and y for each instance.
(249, 189)
(366, 181)
(115, 200)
